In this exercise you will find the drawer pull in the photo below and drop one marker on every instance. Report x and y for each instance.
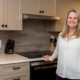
(17, 79)
(16, 68)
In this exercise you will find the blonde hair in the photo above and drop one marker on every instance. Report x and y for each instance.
(66, 28)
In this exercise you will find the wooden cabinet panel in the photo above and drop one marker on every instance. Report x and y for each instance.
(11, 14)
(19, 76)
(63, 6)
(14, 15)
(31, 6)
(1, 14)
(14, 68)
(74, 4)
(49, 7)
(16, 71)
(61, 11)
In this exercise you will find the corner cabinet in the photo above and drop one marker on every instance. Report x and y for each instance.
(74, 4)
(39, 7)
(10, 14)
(61, 11)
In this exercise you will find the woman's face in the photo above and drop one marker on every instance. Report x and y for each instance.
(72, 20)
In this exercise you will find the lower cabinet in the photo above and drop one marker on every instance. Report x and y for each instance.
(18, 71)
(19, 76)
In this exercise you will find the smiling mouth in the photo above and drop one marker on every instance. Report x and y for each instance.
(72, 23)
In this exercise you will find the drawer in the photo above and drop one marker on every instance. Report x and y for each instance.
(19, 76)
(14, 68)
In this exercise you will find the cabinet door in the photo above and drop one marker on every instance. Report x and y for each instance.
(74, 4)
(1, 14)
(49, 7)
(13, 14)
(31, 6)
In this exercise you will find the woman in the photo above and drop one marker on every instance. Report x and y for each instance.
(68, 48)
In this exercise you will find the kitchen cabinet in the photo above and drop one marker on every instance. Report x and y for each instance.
(48, 7)
(19, 71)
(10, 14)
(61, 11)
(62, 7)
(30, 6)
(74, 4)
(39, 7)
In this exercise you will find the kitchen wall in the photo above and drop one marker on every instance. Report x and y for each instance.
(33, 37)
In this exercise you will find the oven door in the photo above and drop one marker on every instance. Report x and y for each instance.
(43, 72)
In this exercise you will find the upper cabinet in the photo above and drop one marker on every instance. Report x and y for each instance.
(48, 7)
(61, 11)
(74, 4)
(10, 14)
(40, 7)
(62, 7)
(30, 6)
(1, 13)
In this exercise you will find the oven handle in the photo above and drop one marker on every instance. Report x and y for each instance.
(45, 67)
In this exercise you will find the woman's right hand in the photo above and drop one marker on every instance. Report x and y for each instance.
(47, 57)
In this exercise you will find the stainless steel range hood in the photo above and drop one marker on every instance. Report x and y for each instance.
(25, 16)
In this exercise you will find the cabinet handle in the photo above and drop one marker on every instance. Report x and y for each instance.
(16, 68)
(42, 11)
(17, 79)
(2, 25)
(5, 25)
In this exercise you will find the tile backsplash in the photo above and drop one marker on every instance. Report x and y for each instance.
(33, 37)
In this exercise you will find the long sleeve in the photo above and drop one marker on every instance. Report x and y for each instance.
(55, 54)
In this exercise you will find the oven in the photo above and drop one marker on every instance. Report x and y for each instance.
(41, 70)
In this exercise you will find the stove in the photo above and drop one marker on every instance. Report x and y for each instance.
(36, 54)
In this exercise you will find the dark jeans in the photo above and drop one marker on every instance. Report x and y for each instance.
(59, 78)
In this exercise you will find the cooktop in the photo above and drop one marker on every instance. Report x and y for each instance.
(35, 54)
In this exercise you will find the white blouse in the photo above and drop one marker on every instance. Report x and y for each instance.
(68, 53)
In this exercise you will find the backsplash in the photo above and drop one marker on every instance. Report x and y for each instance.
(33, 37)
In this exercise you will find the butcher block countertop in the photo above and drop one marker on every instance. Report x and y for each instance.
(16, 58)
